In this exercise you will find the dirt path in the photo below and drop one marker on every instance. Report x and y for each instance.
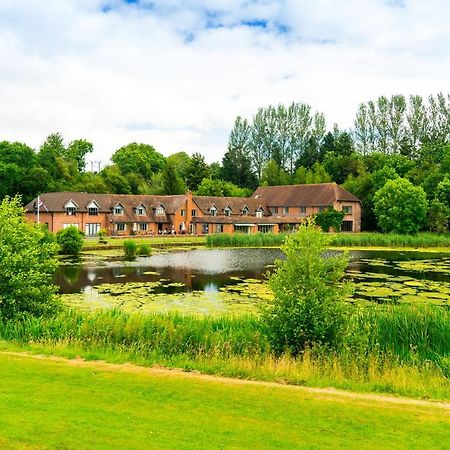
(163, 371)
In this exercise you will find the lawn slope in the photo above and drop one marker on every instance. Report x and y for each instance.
(47, 403)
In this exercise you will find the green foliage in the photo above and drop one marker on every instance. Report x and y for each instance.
(102, 234)
(70, 240)
(438, 216)
(77, 151)
(308, 309)
(443, 192)
(144, 250)
(329, 218)
(130, 248)
(400, 207)
(26, 264)
(117, 183)
(141, 159)
(245, 240)
(220, 188)
(317, 174)
(197, 171)
(274, 175)
(171, 181)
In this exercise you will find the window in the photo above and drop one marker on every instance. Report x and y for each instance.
(285, 209)
(322, 208)
(140, 210)
(245, 211)
(194, 213)
(274, 209)
(183, 213)
(227, 211)
(93, 211)
(205, 228)
(219, 228)
(347, 225)
(302, 209)
(92, 229)
(143, 227)
(118, 210)
(265, 228)
(71, 211)
(67, 225)
(120, 227)
(213, 211)
(259, 213)
(347, 210)
(160, 211)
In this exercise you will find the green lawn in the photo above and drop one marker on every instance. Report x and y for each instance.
(55, 404)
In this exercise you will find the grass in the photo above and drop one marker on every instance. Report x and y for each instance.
(50, 404)
(401, 350)
(421, 240)
(117, 242)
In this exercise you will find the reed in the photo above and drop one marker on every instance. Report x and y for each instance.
(245, 240)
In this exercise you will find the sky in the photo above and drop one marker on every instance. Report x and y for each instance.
(176, 73)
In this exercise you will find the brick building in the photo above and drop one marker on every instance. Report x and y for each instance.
(270, 209)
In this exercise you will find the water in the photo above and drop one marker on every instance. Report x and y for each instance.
(378, 275)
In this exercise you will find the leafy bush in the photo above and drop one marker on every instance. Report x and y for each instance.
(130, 248)
(400, 207)
(438, 216)
(307, 310)
(102, 236)
(144, 250)
(27, 264)
(70, 241)
(329, 218)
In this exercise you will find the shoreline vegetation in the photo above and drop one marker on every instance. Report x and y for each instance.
(401, 350)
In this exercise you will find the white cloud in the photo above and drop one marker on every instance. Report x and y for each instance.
(176, 73)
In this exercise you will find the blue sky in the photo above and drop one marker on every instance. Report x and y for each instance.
(176, 73)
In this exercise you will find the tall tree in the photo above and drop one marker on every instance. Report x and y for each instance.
(77, 151)
(171, 181)
(198, 169)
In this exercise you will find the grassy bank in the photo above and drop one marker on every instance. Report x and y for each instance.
(403, 350)
(94, 406)
(421, 240)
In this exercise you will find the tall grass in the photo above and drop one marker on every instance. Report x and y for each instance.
(339, 240)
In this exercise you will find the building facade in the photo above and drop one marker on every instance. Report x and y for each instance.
(270, 209)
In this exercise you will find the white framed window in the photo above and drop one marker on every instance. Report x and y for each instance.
(227, 211)
(213, 211)
(285, 209)
(183, 213)
(194, 213)
(143, 227)
(71, 208)
(274, 209)
(118, 210)
(67, 225)
(348, 210)
(140, 210)
(259, 213)
(92, 229)
(302, 209)
(93, 208)
(159, 211)
(245, 211)
(219, 228)
(121, 226)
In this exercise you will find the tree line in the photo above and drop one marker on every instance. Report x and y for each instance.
(392, 138)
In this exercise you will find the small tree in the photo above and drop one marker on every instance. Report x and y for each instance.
(307, 309)
(27, 264)
(70, 241)
(438, 216)
(329, 218)
(400, 207)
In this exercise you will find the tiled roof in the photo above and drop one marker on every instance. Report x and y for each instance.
(237, 204)
(303, 195)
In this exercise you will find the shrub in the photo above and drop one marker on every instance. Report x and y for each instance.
(329, 218)
(102, 236)
(400, 207)
(307, 310)
(144, 250)
(70, 241)
(130, 248)
(27, 264)
(438, 216)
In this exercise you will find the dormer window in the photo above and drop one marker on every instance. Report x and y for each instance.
(227, 211)
(118, 210)
(71, 208)
(245, 211)
(259, 213)
(160, 211)
(92, 209)
(140, 210)
(213, 211)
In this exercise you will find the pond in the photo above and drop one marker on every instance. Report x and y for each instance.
(217, 281)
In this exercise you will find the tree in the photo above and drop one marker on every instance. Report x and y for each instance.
(400, 207)
(438, 216)
(198, 169)
(308, 309)
(172, 182)
(274, 175)
(70, 240)
(221, 188)
(27, 264)
(142, 159)
(77, 151)
(115, 181)
(443, 192)
(51, 150)
(182, 162)
(329, 218)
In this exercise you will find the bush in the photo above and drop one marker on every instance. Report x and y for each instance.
(144, 250)
(130, 248)
(27, 264)
(400, 207)
(307, 310)
(329, 218)
(70, 241)
(102, 236)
